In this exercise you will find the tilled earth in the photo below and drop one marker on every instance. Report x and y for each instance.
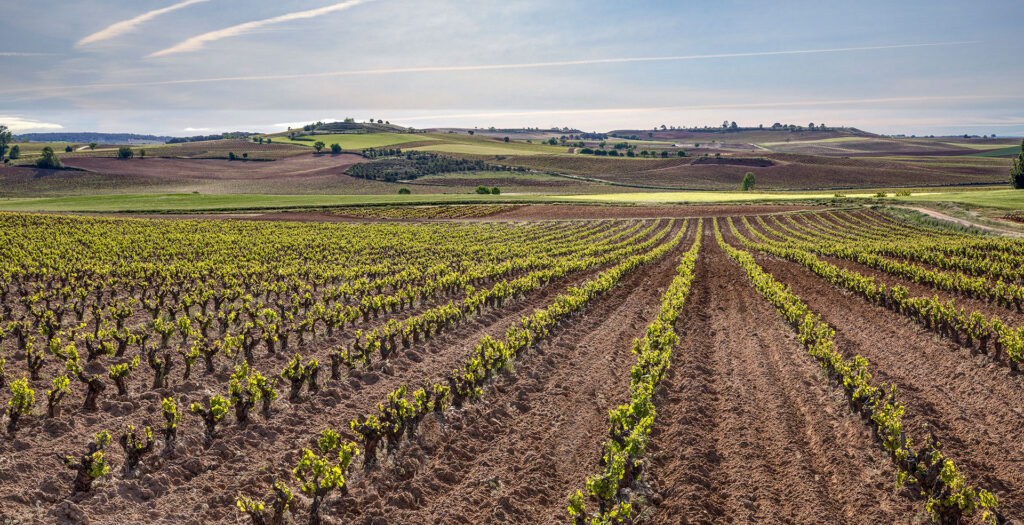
(748, 428)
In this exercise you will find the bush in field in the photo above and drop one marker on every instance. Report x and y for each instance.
(49, 160)
(318, 146)
(748, 181)
(1016, 173)
(483, 190)
(15, 152)
(125, 152)
(67, 149)
(335, 148)
(404, 191)
(495, 191)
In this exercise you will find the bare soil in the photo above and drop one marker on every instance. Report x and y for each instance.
(972, 405)
(545, 212)
(748, 427)
(219, 169)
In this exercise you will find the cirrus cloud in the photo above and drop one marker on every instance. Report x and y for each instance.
(197, 42)
(125, 26)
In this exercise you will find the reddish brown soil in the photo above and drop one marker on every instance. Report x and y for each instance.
(529, 212)
(218, 169)
(972, 405)
(748, 428)
(788, 172)
(516, 457)
(544, 212)
(199, 485)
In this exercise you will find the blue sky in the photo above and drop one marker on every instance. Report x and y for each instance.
(183, 67)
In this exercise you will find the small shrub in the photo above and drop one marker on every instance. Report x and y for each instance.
(91, 466)
(22, 399)
(483, 190)
(49, 160)
(404, 191)
(748, 181)
(495, 191)
(881, 195)
(124, 152)
(335, 148)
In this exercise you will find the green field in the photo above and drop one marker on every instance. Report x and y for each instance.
(353, 141)
(473, 145)
(1011, 150)
(476, 149)
(832, 140)
(1000, 199)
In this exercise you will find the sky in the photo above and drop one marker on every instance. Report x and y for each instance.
(190, 67)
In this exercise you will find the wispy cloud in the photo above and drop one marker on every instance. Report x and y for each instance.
(19, 124)
(125, 26)
(479, 67)
(197, 42)
(22, 54)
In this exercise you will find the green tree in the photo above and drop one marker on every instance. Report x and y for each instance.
(48, 160)
(335, 148)
(5, 139)
(506, 139)
(15, 152)
(748, 181)
(495, 191)
(92, 145)
(318, 145)
(404, 191)
(483, 190)
(125, 152)
(1016, 173)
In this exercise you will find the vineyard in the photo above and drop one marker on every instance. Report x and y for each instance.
(823, 366)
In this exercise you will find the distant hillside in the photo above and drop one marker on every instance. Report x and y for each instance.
(100, 138)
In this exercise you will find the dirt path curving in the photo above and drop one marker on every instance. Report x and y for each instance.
(961, 222)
